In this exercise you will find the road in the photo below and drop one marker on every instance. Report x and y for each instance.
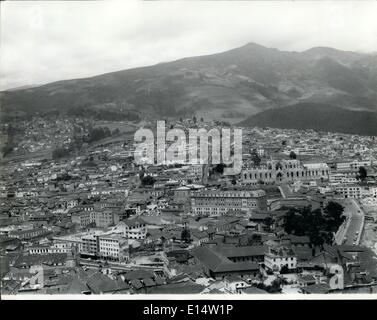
(351, 230)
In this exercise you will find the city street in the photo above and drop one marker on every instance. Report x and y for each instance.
(352, 227)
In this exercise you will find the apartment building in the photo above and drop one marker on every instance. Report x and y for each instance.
(135, 229)
(352, 165)
(113, 247)
(276, 259)
(101, 218)
(356, 191)
(105, 246)
(219, 202)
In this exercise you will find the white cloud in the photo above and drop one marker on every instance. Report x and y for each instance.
(47, 41)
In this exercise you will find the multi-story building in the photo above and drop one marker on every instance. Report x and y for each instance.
(285, 171)
(135, 229)
(356, 191)
(67, 243)
(352, 165)
(182, 194)
(113, 247)
(82, 218)
(104, 218)
(219, 202)
(105, 246)
(341, 177)
(101, 218)
(195, 173)
(90, 245)
(276, 259)
(24, 235)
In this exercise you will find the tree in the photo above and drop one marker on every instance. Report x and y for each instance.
(115, 132)
(255, 239)
(362, 174)
(8, 148)
(59, 153)
(292, 155)
(334, 215)
(317, 225)
(142, 173)
(275, 286)
(194, 119)
(99, 133)
(255, 157)
(220, 168)
(268, 222)
(185, 235)
(284, 270)
(147, 181)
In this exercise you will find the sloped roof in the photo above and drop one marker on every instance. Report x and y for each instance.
(188, 287)
(298, 239)
(307, 277)
(254, 290)
(76, 286)
(136, 283)
(98, 282)
(36, 259)
(149, 282)
(244, 251)
(316, 288)
(303, 253)
(217, 262)
(134, 222)
(138, 274)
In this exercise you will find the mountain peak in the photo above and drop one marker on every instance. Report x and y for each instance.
(254, 46)
(340, 55)
(322, 49)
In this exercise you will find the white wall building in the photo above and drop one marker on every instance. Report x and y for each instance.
(276, 259)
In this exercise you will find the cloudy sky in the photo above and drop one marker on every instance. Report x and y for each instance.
(46, 41)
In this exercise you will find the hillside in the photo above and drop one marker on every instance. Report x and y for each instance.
(245, 81)
(320, 117)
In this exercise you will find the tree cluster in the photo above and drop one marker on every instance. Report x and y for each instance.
(255, 157)
(185, 235)
(362, 174)
(59, 153)
(96, 134)
(147, 180)
(318, 225)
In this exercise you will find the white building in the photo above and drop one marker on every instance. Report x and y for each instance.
(277, 258)
(113, 247)
(353, 165)
(132, 229)
(356, 191)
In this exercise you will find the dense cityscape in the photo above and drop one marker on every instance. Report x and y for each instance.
(80, 216)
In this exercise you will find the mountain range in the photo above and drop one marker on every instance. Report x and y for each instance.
(320, 117)
(235, 84)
